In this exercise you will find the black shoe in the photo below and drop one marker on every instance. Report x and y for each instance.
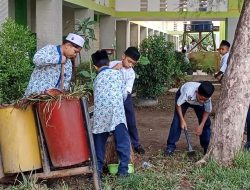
(139, 150)
(247, 146)
(205, 151)
(168, 152)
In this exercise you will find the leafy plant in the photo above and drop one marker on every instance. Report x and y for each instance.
(162, 69)
(85, 76)
(84, 27)
(17, 47)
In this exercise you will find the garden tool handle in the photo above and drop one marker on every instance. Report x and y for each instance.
(188, 140)
(96, 179)
(1, 167)
(62, 77)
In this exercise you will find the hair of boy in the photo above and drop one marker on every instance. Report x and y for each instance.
(100, 58)
(206, 89)
(133, 53)
(225, 43)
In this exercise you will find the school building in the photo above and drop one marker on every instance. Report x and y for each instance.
(120, 23)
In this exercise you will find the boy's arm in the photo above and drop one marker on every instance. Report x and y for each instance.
(115, 65)
(181, 100)
(182, 120)
(199, 129)
(48, 56)
(130, 82)
(208, 109)
(218, 74)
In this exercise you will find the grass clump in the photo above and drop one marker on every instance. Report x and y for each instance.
(148, 180)
(217, 177)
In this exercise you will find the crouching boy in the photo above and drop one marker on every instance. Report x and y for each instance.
(197, 96)
(109, 115)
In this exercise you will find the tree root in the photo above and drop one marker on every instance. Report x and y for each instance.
(203, 161)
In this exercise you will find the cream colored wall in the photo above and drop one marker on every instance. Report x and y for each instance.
(103, 2)
(160, 26)
(153, 5)
(172, 5)
(128, 5)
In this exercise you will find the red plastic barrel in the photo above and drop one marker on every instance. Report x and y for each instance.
(63, 126)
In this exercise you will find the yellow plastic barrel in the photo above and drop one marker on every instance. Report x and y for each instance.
(19, 140)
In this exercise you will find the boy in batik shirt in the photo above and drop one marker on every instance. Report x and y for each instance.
(109, 114)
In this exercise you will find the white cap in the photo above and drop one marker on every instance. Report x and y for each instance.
(76, 39)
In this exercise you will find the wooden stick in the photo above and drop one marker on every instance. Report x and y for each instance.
(62, 77)
(43, 150)
(96, 180)
(63, 173)
(1, 167)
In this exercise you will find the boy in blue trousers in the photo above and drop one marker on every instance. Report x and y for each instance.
(109, 115)
(247, 145)
(197, 96)
(125, 66)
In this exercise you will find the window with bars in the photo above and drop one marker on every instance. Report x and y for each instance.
(183, 5)
(163, 5)
(175, 26)
(144, 5)
(203, 5)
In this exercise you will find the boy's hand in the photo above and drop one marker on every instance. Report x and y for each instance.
(183, 124)
(118, 66)
(198, 130)
(63, 59)
(219, 77)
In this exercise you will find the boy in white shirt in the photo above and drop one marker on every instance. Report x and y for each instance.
(129, 59)
(224, 52)
(197, 96)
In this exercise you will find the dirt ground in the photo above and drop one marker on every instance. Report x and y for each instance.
(154, 124)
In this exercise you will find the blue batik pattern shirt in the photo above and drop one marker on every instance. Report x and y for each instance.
(108, 101)
(47, 72)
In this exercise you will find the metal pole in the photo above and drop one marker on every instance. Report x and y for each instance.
(96, 180)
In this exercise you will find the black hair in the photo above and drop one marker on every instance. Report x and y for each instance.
(133, 53)
(225, 43)
(206, 89)
(100, 58)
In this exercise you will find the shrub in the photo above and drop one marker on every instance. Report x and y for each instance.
(17, 47)
(86, 74)
(162, 69)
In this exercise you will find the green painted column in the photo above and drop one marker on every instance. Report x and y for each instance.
(222, 30)
(21, 12)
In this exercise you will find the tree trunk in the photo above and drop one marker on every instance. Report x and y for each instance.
(230, 118)
(111, 155)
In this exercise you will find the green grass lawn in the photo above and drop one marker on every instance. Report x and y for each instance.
(178, 172)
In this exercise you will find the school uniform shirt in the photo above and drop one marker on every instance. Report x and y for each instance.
(223, 62)
(108, 101)
(47, 72)
(128, 76)
(188, 94)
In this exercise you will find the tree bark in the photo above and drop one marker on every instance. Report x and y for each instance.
(234, 101)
